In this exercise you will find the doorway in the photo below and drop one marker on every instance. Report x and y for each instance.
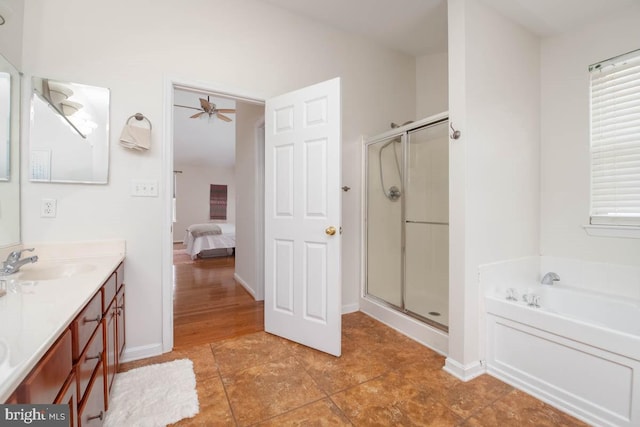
(213, 281)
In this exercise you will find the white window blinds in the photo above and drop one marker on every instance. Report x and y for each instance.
(615, 140)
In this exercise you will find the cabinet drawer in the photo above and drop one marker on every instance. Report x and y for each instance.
(89, 359)
(108, 292)
(49, 376)
(85, 324)
(91, 412)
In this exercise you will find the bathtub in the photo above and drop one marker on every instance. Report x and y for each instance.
(579, 351)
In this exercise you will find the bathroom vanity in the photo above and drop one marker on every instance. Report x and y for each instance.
(62, 324)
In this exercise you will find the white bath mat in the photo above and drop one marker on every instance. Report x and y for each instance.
(153, 396)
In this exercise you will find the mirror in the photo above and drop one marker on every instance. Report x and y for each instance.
(9, 154)
(69, 133)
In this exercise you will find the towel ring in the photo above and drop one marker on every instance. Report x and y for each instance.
(140, 117)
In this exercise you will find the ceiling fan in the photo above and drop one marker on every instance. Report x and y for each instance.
(207, 107)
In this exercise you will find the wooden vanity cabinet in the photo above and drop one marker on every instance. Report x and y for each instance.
(80, 366)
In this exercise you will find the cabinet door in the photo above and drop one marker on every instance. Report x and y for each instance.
(69, 395)
(120, 322)
(111, 358)
(91, 412)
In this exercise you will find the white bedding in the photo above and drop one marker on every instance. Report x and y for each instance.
(226, 240)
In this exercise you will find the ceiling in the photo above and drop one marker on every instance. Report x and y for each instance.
(419, 27)
(203, 141)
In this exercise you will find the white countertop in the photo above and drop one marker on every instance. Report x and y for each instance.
(34, 313)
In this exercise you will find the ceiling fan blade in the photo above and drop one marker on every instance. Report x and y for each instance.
(206, 105)
(186, 106)
(196, 115)
(221, 117)
(226, 110)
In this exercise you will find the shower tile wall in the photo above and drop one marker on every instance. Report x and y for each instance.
(384, 226)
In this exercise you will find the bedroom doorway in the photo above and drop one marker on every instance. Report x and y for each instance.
(217, 211)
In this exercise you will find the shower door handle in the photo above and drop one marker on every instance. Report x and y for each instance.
(331, 230)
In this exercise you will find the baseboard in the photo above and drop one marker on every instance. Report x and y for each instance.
(141, 352)
(350, 308)
(464, 372)
(245, 285)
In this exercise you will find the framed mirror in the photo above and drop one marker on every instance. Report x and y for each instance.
(69, 132)
(9, 154)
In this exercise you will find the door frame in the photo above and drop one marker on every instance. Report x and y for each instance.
(170, 84)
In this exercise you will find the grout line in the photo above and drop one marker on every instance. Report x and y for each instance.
(224, 387)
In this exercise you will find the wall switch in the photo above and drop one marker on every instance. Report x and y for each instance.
(144, 188)
(48, 208)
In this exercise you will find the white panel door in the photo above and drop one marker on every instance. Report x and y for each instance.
(302, 217)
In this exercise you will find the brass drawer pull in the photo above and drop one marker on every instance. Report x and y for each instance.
(96, 417)
(97, 356)
(97, 319)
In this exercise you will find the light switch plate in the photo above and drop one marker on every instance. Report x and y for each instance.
(144, 188)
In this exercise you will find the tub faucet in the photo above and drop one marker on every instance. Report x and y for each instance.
(549, 278)
(13, 262)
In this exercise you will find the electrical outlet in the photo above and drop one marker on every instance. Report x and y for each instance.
(48, 208)
(144, 188)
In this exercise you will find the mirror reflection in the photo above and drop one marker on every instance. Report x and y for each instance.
(5, 126)
(69, 132)
(9, 154)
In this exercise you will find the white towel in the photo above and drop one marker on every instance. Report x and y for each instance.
(135, 137)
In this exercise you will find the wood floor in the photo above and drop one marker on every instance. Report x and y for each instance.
(208, 304)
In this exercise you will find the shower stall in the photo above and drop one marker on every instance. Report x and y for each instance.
(407, 220)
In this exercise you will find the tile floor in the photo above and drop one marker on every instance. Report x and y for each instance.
(382, 379)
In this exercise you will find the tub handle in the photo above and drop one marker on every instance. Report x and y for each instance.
(512, 294)
(532, 300)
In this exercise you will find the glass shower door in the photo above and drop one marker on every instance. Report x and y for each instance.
(427, 224)
(384, 221)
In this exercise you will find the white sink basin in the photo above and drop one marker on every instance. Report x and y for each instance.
(55, 271)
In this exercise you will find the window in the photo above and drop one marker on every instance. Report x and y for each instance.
(615, 141)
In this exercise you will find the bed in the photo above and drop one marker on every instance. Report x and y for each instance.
(210, 240)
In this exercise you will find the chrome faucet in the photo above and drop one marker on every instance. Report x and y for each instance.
(13, 262)
(549, 278)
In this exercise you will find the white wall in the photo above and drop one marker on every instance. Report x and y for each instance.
(131, 48)
(11, 31)
(248, 193)
(193, 189)
(432, 84)
(494, 166)
(565, 160)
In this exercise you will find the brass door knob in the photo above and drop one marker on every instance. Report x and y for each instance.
(331, 230)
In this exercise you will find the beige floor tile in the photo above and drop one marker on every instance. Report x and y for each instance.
(465, 399)
(519, 409)
(390, 400)
(321, 413)
(240, 353)
(266, 390)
